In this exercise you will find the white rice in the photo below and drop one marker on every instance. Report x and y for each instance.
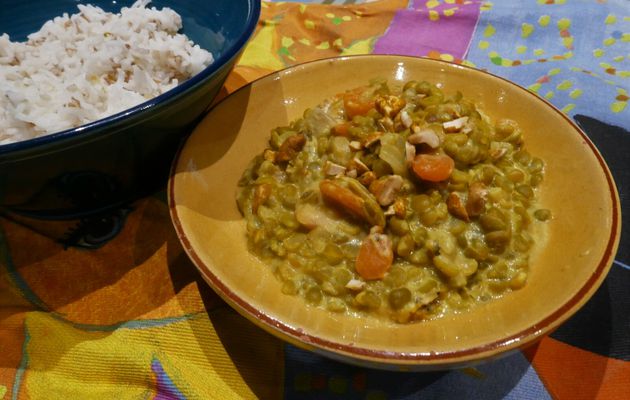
(86, 66)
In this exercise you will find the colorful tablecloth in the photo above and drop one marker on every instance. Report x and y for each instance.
(129, 317)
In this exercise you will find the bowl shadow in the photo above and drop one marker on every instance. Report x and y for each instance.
(214, 156)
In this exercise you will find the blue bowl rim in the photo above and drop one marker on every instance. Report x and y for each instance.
(92, 127)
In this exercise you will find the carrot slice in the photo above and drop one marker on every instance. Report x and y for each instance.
(343, 198)
(375, 256)
(433, 167)
(341, 129)
(354, 103)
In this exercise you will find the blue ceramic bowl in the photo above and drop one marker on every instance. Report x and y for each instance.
(110, 162)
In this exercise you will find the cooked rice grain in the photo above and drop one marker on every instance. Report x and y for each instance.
(86, 66)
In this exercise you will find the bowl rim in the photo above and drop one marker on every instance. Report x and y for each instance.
(253, 15)
(386, 358)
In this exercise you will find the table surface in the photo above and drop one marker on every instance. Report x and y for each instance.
(129, 317)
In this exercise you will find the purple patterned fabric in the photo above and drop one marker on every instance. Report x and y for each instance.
(414, 31)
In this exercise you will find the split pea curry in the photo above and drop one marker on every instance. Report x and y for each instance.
(406, 204)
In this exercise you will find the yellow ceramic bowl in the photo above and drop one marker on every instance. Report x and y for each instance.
(578, 188)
